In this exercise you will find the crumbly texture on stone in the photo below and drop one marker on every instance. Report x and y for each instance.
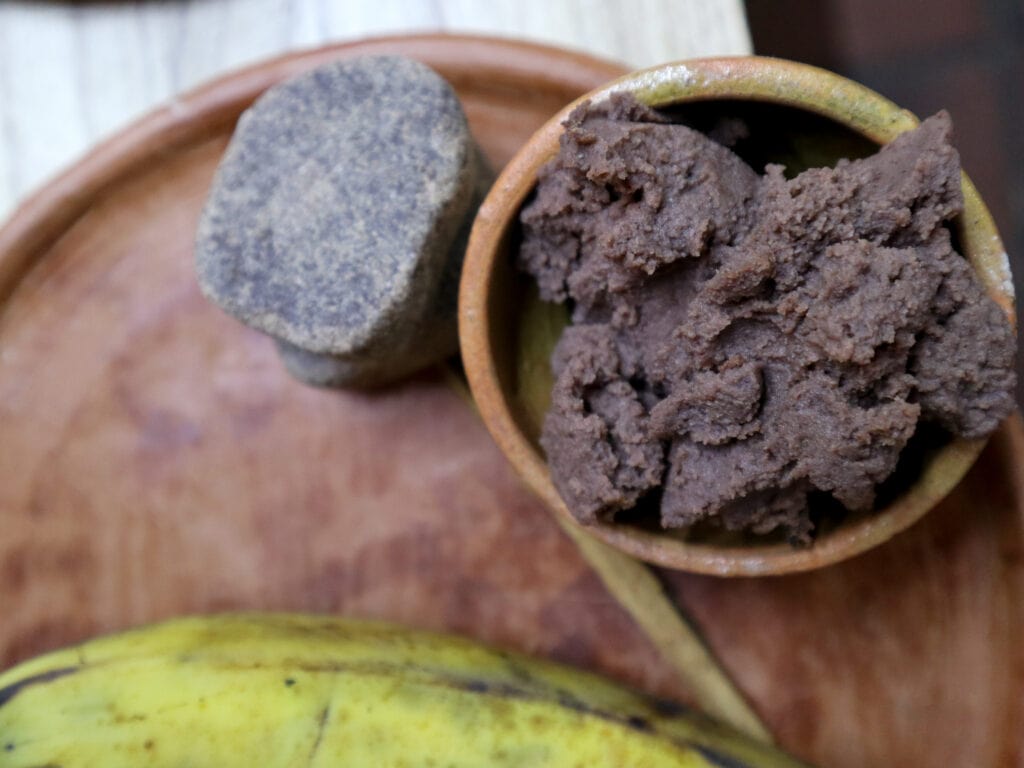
(741, 341)
(338, 217)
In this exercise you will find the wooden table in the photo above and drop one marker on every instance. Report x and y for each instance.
(71, 74)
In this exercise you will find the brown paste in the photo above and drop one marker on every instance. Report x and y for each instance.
(740, 341)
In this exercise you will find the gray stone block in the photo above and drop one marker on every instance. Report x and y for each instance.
(338, 217)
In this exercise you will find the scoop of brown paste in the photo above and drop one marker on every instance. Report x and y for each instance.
(740, 341)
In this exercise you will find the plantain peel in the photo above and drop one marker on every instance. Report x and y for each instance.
(290, 690)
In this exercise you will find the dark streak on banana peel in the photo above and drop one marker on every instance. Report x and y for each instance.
(12, 690)
(468, 685)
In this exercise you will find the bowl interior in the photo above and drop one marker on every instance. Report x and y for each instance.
(522, 330)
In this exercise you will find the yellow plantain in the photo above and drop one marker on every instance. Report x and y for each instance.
(288, 690)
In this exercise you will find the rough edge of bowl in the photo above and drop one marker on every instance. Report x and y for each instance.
(761, 79)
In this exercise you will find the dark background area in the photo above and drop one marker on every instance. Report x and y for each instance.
(965, 56)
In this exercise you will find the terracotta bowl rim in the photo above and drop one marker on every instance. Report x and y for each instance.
(741, 77)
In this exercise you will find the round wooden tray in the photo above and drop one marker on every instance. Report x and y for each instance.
(155, 460)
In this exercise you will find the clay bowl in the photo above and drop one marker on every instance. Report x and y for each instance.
(805, 117)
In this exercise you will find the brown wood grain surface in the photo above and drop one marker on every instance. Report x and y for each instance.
(156, 460)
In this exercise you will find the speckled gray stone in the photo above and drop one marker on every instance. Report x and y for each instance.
(338, 218)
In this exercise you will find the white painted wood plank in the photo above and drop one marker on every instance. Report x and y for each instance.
(70, 75)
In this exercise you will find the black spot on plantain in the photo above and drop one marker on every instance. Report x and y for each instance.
(638, 723)
(9, 747)
(289, 681)
(719, 760)
(475, 685)
(568, 701)
(12, 690)
(668, 708)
